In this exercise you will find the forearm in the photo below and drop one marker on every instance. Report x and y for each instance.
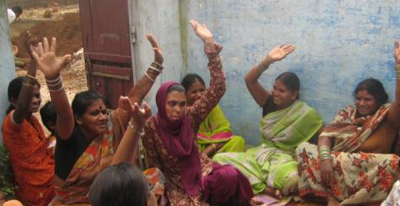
(143, 86)
(397, 96)
(324, 141)
(65, 117)
(26, 94)
(217, 86)
(257, 91)
(127, 147)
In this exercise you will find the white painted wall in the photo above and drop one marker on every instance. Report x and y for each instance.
(339, 43)
(7, 69)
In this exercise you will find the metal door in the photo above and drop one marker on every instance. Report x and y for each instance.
(106, 42)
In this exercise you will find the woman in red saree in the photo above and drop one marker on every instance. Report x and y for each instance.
(352, 163)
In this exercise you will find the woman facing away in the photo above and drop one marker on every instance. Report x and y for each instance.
(352, 164)
(31, 162)
(170, 142)
(287, 122)
(87, 135)
(214, 134)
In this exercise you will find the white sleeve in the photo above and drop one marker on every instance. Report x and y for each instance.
(393, 197)
(11, 16)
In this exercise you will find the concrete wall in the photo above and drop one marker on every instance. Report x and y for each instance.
(7, 70)
(339, 43)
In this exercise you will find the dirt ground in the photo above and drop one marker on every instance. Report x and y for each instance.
(64, 25)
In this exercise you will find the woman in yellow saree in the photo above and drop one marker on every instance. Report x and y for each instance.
(215, 133)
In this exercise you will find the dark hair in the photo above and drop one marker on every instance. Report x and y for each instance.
(14, 88)
(49, 114)
(375, 88)
(83, 100)
(176, 87)
(291, 81)
(119, 185)
(17, 10)
(190, 79)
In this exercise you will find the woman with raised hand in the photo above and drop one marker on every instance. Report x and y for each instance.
(170, 141)
(287, 122)
(352, 164)
(215, 133)
(87, 134)
(31, 162)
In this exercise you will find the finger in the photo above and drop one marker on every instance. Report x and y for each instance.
(152, 41)
(53, 46)
(290, 49)
(34, 54)
(287, 46)
(281, 46)
(45, 45)
(40, 49)
(66, 59)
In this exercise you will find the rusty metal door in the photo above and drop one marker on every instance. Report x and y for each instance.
(106, 42)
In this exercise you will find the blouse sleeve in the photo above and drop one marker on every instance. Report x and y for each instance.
(199, 111)
(149, 145)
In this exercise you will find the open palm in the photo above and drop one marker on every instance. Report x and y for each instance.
(47, 60)
(201, 30)
(280, 52)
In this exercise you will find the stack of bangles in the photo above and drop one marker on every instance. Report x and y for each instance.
(325, 153)
(155, 68)
(397, 71)
(29, 81)
(55, 85)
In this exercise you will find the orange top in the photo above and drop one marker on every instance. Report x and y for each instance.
(32, 164)
(381, 140)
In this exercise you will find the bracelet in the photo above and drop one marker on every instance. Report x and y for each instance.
(56, 88)
(53, 81)
(156, 64)
(397, 67)
(261, 68)
(55, 85)
(148, 76)
(29, 81)
(134, 128)
(152, 68)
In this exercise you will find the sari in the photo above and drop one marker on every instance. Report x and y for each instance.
(97, 156)
(359, 177)
(31, 162)
(217, 129)
(272, 164)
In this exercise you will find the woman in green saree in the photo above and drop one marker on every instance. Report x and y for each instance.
(215, 133)
(271, 166)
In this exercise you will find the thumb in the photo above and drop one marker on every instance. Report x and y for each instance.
(66, 59)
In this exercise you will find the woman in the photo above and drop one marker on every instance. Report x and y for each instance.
(351, 164)
(87, 135)
(32, 164)
(287, 122)
(169, 140)
(214, 134)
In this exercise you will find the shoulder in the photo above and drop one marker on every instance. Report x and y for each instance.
(9, 123)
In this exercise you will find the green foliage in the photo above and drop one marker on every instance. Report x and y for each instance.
(7, 184)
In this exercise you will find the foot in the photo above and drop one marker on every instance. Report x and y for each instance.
(332, 201)
(273, 193)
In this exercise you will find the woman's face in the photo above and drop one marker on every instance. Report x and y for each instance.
(175, 105)
(366, 103)
(36, 99)
(195, 92)
(94, 120)
(283, 97)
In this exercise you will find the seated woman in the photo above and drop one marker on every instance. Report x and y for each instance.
(32, 164)
(170, 142)
(214, 134)
(343, 168)
(287, 122)
(87, 135)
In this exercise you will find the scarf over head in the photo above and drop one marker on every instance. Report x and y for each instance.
(179, 140)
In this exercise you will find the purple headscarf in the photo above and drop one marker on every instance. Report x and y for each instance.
(179, 139)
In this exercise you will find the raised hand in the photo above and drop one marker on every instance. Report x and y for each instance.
(125, 104)
(278, 53)
(28, 41)
(201, 31)
(158, 57)
(396, 52)
(47, 60)
(140, 114)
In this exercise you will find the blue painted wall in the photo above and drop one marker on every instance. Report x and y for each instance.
(7, 69)
(339, 43)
